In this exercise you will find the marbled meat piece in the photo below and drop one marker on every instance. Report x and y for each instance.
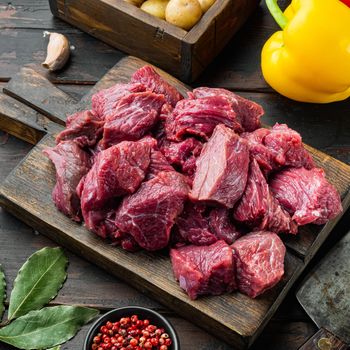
(134, 116)
(222, 226)
(248, 112)
(306, 195)
(105, 101)
(158, 164)
(149, 214)
(260, 262)
(193, 225)
(222, 169)
(258, 209)
(278, 147)
(203, 270)
(155, 83)
(200, 225)
(182, 155)
(71, 164)
(199, 117)
(83, 127)
(117, 171)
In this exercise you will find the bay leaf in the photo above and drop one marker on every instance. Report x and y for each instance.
(2, 292)
(38, 281)
(46, 328)
(58, 347)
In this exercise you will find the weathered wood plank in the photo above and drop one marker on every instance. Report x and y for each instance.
(37, 92)
(23, 122)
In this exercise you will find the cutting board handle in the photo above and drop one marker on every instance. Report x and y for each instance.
(324, 340)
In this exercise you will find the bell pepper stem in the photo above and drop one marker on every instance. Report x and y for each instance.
(277, 13)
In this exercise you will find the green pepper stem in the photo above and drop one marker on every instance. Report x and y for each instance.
(277, 13)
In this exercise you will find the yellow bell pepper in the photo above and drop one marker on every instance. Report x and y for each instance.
(309, 60)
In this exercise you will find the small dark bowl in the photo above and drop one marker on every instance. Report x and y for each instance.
(143, 313)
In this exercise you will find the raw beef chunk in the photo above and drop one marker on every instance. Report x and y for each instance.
(204, 270)
(221, 225)
(200, 117)
(154, 82)
(193, 225)
(149, 214)
(101, 220)
(105, 101)
(278, 147)
(248, 112)
(126, 241)
(134, 116)
(200, 225)
(183, 154)
(222, 169)
(117, 171)
(84, 127)
(307, 195)
(260, 262)
(158, 164)
(71, 164)
(258, 208)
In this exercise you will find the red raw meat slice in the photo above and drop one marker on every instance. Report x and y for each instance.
(221, 225)
(117, 171)
(193, 225)
(126, 241)
(307, 195)
(134, 116)
(149, 214)
(260, 262)
(248, 112)
(105, 101)
(200, 225)
(182, 154)
(203, 270)
(199, 117)
(278, 147)
(84, 127)
(258, 209)
(222, 169)
(155, 83)
(71, 164)
(158, 164)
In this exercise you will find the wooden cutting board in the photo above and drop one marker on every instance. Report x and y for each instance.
(36, 111)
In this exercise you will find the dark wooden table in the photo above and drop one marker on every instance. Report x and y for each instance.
(326, 127)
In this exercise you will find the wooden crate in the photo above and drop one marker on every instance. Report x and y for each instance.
(184, 54)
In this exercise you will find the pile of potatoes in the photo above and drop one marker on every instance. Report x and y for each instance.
(182, 13)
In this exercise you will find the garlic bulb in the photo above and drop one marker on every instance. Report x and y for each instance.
(58, 51)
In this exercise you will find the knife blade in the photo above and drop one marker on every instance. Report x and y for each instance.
(325, 296)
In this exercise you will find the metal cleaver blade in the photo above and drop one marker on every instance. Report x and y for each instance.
(325, 294)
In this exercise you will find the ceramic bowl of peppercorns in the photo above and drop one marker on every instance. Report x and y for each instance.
(132, 328)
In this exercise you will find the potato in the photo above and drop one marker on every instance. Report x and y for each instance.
(183, 13)
(137, 3)
(206, 4)
(155, 7)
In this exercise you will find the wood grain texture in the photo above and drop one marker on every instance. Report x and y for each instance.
(183, 54)
(324, 340)
(23, 122)
(36, 91)
(239, 319)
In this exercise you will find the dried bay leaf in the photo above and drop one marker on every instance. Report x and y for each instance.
(38, 281)
(46, 328)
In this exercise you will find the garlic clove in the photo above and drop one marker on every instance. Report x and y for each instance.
(58, 51)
